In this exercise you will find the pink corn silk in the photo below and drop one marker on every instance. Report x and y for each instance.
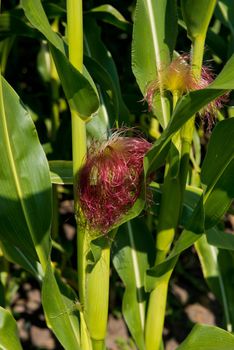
(178, 75)
(210, 110)
(110, 180)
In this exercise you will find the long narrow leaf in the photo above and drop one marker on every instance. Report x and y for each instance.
(154, 35)
(131, 257)
(211, 269)
(59, 305)
(79, 91)
(25, 187)
(9, 338)
(208, 338)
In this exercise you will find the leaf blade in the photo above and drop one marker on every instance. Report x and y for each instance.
(131, 259)
(25, 189)
(9, 338)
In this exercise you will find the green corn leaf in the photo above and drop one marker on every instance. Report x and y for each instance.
(208, 257)
(214, 268)
(197, 15)
(16, 255)
(217, 172)
(132, 255)
(226, 267)
(220, 239)
(37, 17)
(61, 172)
(102, 68)
(204, 337)
(25, 187)
(109, 14)
(186, 239)
(79, 90)
(217, 44)
(54, 10)
(225, 13)
(218, 186)
(9, 338)
(11, 24)
(153, 39)
(61, 310)
(154, 36)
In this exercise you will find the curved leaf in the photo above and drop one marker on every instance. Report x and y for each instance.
(206, 337)
(61, 172)
(217, 177)
(197, 15)
(61, 311)
(13, 25)
(25, 187)
(78, 90)
(9, 338)
(226, 266)
(132, 255)
(224, 12)
(215, 275)
(154, 35)
(102, 67)
(16, 255)
(217, 172)
(153, 38)
(220, 239)
(109, 14)
(186, 239)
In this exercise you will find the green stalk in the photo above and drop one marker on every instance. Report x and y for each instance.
(75, 45)
(97, 299)
(155, 314)
(93, 283)
(197, 54)
(168, 221)
(188, 129)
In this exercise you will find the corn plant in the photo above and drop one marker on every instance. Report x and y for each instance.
(116, 173)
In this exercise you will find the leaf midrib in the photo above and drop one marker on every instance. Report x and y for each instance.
(158, 61)
(12, 162)
(136, 274)
(16, 177)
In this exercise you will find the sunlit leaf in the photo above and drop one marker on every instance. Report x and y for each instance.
(25, 187)
(132, 255)
(61, 310)
(213, 263)
(197, 15)
(111, 15)
(217, 172)
(9, 338)
(154, 35)
(78, 89)
(208, 338)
